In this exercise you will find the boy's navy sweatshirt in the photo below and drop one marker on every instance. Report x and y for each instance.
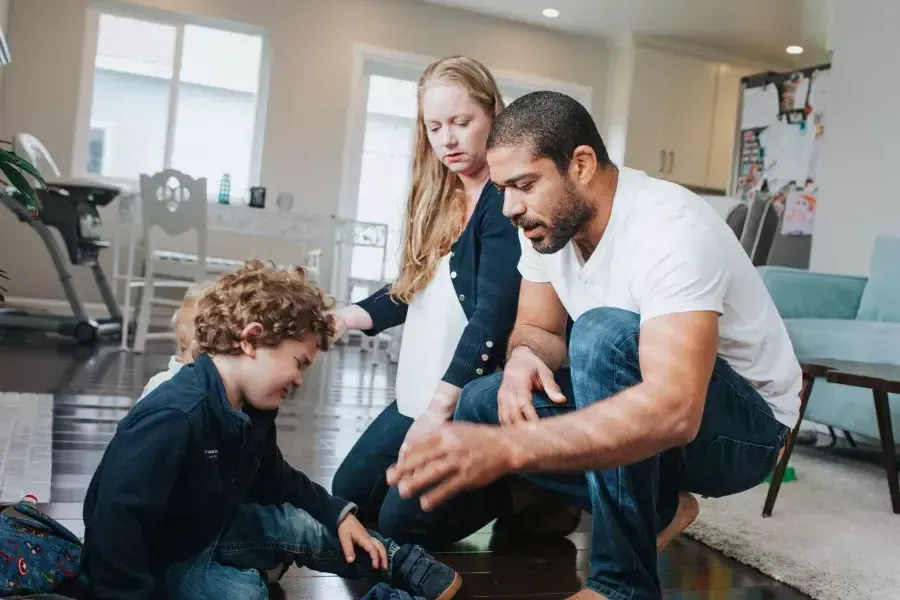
(171, 478)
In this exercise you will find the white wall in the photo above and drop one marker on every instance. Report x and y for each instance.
(859, 192)
(311, 45)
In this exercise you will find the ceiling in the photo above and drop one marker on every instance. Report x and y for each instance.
(756, 29)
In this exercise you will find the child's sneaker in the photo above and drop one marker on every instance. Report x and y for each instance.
(423, 575)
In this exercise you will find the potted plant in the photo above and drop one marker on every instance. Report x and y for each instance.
(12, 165)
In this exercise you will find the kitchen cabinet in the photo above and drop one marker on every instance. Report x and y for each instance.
(681, 117)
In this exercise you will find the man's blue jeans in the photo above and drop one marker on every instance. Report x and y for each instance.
(736, 448)
(266, 538)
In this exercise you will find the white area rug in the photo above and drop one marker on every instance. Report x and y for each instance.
(26, 426)
(832, 534)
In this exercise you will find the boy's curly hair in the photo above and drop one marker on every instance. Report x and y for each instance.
(283, 301)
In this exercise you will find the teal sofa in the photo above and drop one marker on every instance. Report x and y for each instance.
(848, 318)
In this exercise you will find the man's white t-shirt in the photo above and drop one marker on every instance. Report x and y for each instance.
(664, 251)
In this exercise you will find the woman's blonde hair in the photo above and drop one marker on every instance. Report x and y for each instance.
(436, 206)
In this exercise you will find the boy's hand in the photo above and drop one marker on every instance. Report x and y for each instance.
(351, 533)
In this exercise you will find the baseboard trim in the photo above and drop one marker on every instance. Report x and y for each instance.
(54, 306)
(95, 310)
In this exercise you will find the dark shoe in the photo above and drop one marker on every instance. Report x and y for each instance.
(421, 574)
(538, 512)
(383, 591)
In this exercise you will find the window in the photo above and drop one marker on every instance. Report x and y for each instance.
(99, 141)
(177, 95)
(386, 168)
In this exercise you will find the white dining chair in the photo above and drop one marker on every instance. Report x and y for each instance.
(176, 204)
(313, 264)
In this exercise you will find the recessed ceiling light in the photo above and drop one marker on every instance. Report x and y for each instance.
(794, 49)
(551, 13)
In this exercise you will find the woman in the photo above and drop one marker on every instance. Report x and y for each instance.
(457, 290)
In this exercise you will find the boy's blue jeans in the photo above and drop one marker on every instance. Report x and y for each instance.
(263, 538)
(736, 448)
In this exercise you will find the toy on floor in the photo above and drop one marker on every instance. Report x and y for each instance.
(789, 475)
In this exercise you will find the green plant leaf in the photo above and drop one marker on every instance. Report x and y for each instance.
(20, 183)
(22, 164)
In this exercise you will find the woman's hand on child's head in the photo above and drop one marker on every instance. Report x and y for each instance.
(340, 326)
(351, 533)
(350, 317)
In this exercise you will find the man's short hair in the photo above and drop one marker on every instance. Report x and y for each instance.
(551, 124)
(283, 301)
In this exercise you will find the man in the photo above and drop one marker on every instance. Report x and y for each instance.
(678, 378)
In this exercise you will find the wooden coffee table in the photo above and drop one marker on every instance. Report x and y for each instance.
(882, 379)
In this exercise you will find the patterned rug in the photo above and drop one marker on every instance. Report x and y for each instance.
(832, 534)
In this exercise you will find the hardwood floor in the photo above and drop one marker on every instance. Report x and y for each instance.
(92, 389)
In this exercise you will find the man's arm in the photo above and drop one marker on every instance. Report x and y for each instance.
(679, 283)
(540, 324)
(677, 355)
(678, 352)
(538, 349)
(680, 291)
(136, 477)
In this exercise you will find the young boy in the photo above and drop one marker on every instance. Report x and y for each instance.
(193, 499)
(183, 327)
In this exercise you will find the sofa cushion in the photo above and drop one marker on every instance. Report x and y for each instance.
(845, 339)
(881, 297)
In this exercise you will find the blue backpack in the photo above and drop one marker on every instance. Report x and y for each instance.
(37, 554)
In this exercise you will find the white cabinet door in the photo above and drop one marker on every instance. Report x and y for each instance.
(670, 118)
(644, 142)
(690, 102)
(724, 136)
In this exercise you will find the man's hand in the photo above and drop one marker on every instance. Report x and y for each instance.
(351, 533)
(451, 459)
(524, 373)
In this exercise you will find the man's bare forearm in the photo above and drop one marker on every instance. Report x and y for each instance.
(623, 429)
(549, 347)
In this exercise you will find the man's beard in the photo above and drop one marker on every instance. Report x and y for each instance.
(570, 213)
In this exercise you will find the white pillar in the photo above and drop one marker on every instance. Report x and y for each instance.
(618, 96)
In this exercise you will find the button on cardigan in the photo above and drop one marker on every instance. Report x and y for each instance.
(484, 271)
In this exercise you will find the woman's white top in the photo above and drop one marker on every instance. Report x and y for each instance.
(434, 325)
